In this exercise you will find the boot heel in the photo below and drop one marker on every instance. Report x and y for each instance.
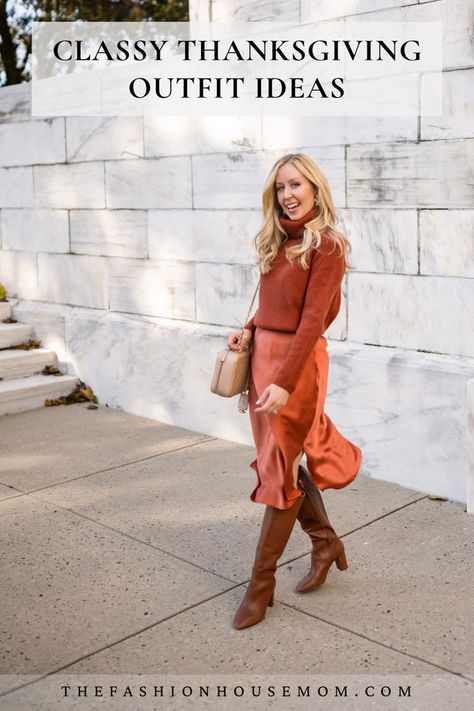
(270, 602)
(341, 562)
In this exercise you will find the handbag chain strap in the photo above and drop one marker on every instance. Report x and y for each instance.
(250, 309)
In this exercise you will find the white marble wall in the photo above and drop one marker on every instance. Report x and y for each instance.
(128, 244)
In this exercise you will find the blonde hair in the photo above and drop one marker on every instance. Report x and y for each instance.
(271, 235)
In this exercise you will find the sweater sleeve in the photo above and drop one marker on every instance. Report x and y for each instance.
(250, 324)
(327, 272)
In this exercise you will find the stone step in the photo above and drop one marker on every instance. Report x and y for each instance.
(21, 394)
(20, 364)
(12, 334)
(5, 310)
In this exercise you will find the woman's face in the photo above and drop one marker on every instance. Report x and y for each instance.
(295, 194)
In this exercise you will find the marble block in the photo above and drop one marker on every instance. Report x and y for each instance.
(16, 187)
(406, 411)
(235, 180)
(154, 367)
(224, 292)
(19, 273)
(112, 233)
(337, 331)
(70, 186)
(48, 322)
(278, 131)
(151, 183)
(373, 129)
(458, 20)
(337, 130)
(458, 106)
(397, 11)
(164, 289)
(185, 135)
(231, 180)
(266, 10)
(447, 242)
(199, 11)
(35, 230)
(382, 240)
(203, 235)
(416, 312)
(32, 142)
(324, 9)
(15, 102)
(73, 279)
(428, 174)
(104, 137)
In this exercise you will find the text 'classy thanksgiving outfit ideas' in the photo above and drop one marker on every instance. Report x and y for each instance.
(296, 306)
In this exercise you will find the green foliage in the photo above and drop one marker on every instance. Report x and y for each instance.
(16, 18)
(3, 293)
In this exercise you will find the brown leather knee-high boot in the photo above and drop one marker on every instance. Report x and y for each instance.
(327, 547)
(276, 528)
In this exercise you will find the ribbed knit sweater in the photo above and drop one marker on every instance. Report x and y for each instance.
(294, 300)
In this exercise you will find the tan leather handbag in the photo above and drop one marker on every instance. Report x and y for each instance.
(232, 369)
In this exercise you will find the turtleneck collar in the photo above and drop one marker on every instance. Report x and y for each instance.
(295, 228)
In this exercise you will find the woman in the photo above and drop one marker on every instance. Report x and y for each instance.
(302, 260)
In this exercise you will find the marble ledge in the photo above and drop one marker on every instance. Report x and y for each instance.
(358, 351)
(170, 324)
(404, 357)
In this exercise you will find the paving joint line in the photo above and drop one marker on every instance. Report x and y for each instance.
(185, 560)
(374, 641)
(208, 599)
(361, 527)
(133, 538)
(108, 469)
(118, 641)
(389, 513)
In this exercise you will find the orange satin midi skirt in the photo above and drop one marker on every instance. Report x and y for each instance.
(301, 426)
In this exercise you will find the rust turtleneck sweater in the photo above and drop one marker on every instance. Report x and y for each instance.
(299, 301)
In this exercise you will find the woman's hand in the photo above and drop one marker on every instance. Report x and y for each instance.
(233, 340)
(272, 399)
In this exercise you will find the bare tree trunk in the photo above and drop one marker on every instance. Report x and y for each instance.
(7, 48)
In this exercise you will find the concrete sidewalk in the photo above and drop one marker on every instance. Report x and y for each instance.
(126, 544)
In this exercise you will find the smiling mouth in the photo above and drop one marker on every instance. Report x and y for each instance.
(292, 206)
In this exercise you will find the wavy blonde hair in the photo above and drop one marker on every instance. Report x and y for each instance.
(271, 235)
